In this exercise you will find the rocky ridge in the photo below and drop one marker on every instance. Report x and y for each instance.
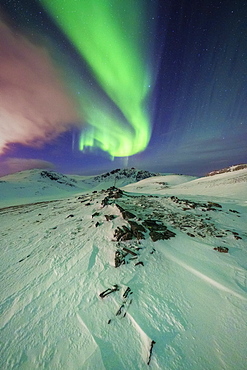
(227, 169)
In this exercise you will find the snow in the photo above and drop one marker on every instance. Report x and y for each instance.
(58, 256)
(231, 185)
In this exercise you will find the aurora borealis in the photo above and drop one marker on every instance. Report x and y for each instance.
(87, 86)
(97, 29)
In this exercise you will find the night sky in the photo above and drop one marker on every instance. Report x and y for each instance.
(87, 86)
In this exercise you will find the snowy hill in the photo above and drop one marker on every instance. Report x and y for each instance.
(231, 185)
(36, 185)
(117, 279)
(228, 169)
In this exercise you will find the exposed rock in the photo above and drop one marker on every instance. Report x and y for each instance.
(139, 263)
(233, 211)
(212, 204)
(58, 177)
(227, 169)
(127, 292)
(95, 214)
(221, 249)
(154, 225)
(137, 229)
(129, 251)
(109, 217)
(119, 258)
(158, 235)
(151, 351)
(105, 201)
(126, 214)
(123, 234)
(108, 291)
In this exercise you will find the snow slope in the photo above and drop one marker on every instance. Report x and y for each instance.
(176, 303)
(231, 185)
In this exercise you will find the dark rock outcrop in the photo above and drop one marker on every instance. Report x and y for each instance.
(137, 229)
(221, 249)
(126, 214)
(159, 235)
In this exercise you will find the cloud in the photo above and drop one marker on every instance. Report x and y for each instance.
(34, 104)
(12, 165)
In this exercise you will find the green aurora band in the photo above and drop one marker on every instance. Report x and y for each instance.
(108, 35)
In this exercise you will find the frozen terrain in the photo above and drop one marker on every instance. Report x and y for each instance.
(152, 275)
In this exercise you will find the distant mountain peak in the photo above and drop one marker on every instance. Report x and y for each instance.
(128, 173)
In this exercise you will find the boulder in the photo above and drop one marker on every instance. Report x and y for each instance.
(221, 249)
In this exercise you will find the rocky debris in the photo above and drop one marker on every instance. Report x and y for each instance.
(123, 233)
(157, 230)
(125, 303)
(150, 352)
(221, 249)
(129, 251)
(139, 263)
(105, 201)
(233, 211)
(194, 224)
(96, 214)
(154, 225)
(109, 217)
(127, 292)
(164, 235)
(126, 253)
(119, 311)
(164, 184)
(114, 192)
(126, 214)
(236, 235)
(120, 257)
(126, 300)
(23, 259)
(85, 200)
(137, 229)
(108, 291)
(227, 169)
(215, 205)
(188, 204)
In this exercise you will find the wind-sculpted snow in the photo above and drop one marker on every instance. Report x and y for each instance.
(172, 301)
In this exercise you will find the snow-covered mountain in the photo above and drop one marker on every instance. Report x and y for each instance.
(134, 278)
(38, 185)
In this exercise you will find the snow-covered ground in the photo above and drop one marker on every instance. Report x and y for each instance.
(176, 303)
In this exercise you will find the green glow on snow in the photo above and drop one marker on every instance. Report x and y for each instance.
(108, 35)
